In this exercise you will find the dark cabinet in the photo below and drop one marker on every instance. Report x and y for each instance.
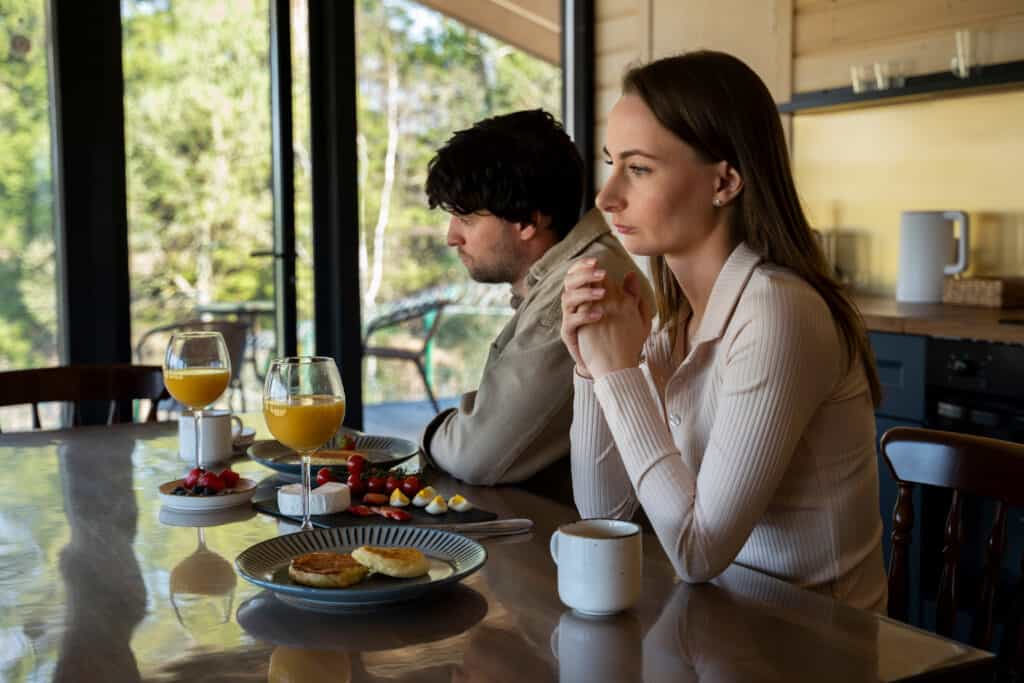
(901, 361)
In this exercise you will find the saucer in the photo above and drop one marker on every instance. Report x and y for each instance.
(241, 494)
(201, 519)
(243, 439)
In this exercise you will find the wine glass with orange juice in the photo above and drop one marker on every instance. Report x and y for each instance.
(303, 405)
(197, 370)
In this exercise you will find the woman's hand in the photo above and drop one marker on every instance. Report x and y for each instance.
(580, 305)
(615, 339)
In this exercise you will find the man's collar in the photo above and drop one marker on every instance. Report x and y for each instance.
(588, 230)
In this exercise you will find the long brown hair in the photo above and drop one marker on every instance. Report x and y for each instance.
(718, 106)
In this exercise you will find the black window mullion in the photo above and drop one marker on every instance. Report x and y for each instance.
(90, 211)
(283, 156)
(578, 85)
(332, 67)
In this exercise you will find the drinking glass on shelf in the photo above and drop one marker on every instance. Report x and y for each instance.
(303, 405)
(197, 370)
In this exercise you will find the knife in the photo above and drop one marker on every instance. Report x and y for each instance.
(497, 527)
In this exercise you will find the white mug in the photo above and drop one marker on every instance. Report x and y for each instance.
(219, 428)
(598, 649)
(599, 565)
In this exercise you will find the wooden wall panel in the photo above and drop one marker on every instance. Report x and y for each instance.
(827, 25)
(759, 33)
(918, 35)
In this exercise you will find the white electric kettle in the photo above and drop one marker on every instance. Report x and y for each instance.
(926, 243)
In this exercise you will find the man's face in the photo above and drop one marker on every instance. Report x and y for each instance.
(488, 246)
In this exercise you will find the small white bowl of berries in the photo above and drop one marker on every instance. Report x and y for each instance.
(203, 489)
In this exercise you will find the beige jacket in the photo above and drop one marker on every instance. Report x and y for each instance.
(517, 421)
(758, 448)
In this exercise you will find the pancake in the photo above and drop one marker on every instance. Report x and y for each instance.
(326, 570)
(401, 563)
(333, 456)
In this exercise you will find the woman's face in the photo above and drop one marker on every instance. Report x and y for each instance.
(660, 191)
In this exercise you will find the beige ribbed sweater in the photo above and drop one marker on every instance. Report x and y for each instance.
(757, 449)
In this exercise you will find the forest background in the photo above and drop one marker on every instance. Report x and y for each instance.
(197, 129)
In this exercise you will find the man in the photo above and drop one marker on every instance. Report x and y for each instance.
(513, 185)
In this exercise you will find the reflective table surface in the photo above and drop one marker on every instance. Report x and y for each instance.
(98, 583)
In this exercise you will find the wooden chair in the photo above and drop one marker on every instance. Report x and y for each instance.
(969, 465)
(116, 384)
(153, 344)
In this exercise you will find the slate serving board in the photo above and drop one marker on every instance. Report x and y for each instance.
(419, 516)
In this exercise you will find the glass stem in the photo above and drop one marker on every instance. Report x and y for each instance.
(306, 486)
(197, 416)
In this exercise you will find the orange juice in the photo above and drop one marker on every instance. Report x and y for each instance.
(304, 422)
(196, 387)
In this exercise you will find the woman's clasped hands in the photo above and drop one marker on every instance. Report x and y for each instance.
(604, 324)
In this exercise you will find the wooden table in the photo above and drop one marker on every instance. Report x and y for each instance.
(98, 584)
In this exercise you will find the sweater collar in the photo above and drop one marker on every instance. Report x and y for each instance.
(725, 293)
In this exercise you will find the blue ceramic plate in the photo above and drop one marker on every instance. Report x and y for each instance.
(378, 450)
(452, 558)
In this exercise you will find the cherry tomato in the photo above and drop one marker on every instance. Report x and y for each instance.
(392, 483)
(356, 485)
(376, 484)
(193, 476)
(411, 486)
(324, 475)
(347, 442)
(356, 463)
(211, 481)
(229, 477)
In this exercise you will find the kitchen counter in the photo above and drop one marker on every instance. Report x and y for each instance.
(882, 314)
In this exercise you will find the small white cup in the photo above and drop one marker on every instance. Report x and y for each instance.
(219, 429)
(599, 565)
(598, 649)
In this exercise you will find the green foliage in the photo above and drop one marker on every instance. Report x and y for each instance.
(28, 311)
(197, 133)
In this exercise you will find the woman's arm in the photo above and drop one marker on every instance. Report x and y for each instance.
(600, 484)
(780, 366)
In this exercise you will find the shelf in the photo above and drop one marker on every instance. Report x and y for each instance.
(989, 76)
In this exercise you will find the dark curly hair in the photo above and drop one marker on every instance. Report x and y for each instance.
(510, 166)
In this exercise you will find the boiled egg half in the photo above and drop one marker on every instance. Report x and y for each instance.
(438, 506)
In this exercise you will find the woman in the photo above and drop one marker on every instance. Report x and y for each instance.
(743, 425)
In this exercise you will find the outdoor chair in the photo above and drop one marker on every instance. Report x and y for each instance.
(427, 305)
(235, 338)
(116, 384)
(968, 466)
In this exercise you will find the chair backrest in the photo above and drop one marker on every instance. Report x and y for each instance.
(972, 465)
(235, 335)
(114, 384)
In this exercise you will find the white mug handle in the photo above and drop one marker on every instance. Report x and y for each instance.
(553, 546)
(554, 642)
(236, 420)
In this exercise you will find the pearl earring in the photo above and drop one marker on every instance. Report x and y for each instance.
(716, 201)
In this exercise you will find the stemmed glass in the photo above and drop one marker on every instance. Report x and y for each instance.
(197, 370)
(304, 404)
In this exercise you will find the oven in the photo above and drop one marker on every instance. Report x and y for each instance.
(975, 388)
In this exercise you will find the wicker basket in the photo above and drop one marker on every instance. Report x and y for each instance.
(994, 292)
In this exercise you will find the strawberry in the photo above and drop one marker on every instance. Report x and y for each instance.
(211, 481)
(192, 477)
(229, 477)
